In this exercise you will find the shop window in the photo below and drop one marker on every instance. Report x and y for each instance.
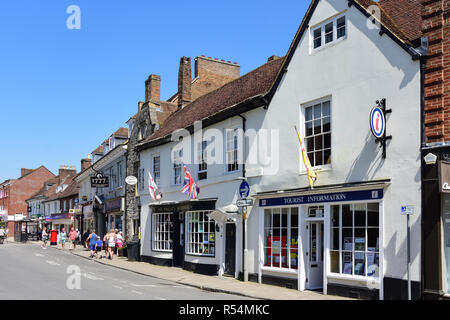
(281, 238)
(318, 133)
(162, 231)
(354, 236)
(201, 233)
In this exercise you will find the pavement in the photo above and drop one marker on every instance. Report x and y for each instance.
(218, 284)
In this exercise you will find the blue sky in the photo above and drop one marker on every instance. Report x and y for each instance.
(63, 92)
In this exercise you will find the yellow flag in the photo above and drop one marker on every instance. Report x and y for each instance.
(312, 177)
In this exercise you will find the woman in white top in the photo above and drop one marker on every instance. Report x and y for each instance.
(111, 243)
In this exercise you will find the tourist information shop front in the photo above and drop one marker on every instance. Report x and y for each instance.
(326, 239)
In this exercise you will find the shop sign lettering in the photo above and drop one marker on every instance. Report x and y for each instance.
(321, 198)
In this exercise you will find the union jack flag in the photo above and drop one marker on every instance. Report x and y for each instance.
(189, 188)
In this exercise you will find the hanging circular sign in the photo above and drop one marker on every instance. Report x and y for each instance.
(131, 180)
(377, 122)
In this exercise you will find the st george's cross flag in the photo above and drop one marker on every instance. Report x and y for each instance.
(312, 176)
(189, 187)
(153, 188)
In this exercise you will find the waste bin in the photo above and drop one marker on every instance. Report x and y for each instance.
(53, 237)
(133, 251)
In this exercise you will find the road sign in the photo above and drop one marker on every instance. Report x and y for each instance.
(244, 202)
(244, 189)
(407, 210)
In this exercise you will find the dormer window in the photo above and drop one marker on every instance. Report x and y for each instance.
(328, 32)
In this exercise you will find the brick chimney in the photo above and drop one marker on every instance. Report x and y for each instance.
(66, 171)
(436, 26)
(85, 163)
(24, 171)
(184, 82)
(153, 88)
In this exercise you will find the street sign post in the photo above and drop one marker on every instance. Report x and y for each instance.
(408, 211)
(244, 202)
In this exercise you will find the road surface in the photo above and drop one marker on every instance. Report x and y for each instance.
(31, 273)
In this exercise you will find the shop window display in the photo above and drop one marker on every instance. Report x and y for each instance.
(162, 231)
(281, 238)
(354, 236)
(201, 233)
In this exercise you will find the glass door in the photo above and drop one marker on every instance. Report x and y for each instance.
(315, 254)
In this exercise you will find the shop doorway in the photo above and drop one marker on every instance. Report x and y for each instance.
(178, 240)
(315, 254)
(230, 249)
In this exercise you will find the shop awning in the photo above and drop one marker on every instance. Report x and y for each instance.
(224, 214)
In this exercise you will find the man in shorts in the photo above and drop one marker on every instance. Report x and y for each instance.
(92, 240)
(98, 247)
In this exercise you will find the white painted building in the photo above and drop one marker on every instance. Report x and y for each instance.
(347, 235)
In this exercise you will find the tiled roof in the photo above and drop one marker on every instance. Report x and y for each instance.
(68, 180)
(406, 14)
(401, 17)
(98, 150)
(122, 132)
(254, 83)
(71, 190)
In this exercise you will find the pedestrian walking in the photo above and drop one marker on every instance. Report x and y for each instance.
(119, 240)
(85, 237)
(2, 234)
(63, 237)
(111, 243)
(44, 238)
(72, 237)
(116, 232)
(105, 244)
(98, 247)
(92, 239)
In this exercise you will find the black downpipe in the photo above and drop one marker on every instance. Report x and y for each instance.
(423, 66)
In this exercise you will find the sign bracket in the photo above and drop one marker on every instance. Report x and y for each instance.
(382, 105)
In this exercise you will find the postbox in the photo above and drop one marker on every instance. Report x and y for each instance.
(53, 237)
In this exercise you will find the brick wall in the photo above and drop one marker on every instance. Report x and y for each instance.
(436, 26)
(211, 74)
(23, 189)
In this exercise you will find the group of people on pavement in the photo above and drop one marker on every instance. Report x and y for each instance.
(111, 242)
(73, 235)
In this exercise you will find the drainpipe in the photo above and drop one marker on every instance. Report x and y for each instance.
(244, 221)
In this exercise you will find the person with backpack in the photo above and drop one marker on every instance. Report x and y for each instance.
(92, 239)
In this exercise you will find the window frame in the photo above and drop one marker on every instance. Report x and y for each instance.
(340, 251)
(177, 155)
(159, 219)
(156, 178)
(302, 125)
(322, 27)
(235, 132)
(202, 167)
(188, 222)
(288, 247)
